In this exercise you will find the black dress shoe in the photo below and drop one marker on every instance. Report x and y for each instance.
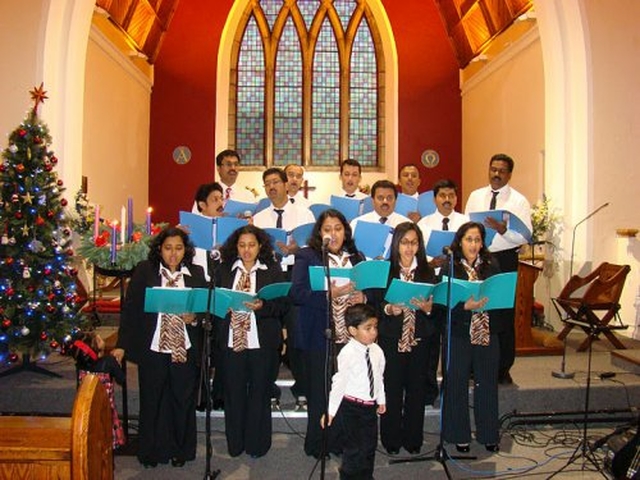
(393, 451)
(463, 447)
(218, 404)
(492, 447)
(505, 379)
(148, 464)
(413, 450)
(177, 462)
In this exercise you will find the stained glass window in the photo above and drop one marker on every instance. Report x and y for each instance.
(299, 100)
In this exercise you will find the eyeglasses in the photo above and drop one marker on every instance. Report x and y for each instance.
(472, 240)
(410, 243)
(230, 164)
(271, 183)
(501, 171)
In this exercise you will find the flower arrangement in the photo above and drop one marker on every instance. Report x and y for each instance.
(546, 222)
(100, 240)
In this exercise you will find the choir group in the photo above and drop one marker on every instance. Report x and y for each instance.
(387, 352)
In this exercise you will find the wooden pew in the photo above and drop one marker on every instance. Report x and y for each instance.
(78, 448)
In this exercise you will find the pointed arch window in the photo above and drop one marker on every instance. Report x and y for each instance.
(307, 84)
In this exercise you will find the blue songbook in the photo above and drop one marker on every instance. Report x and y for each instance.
(513, 223)
(175, 300)
(207, 232)
(318, 208)
(438, 239)
(235, 300)
(364, 275)
(406, 204)
(262, 204)
(401, 293)
(234, 208)
(351, 207)
(276, 235)
(500, 289)
(301, 234)
(372, 239)
(426, 205)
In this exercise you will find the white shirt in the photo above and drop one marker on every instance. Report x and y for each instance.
(508, 199)
(241, 194)
(434, 222)
(253, 341)
(352, 378)
(155, 341)
(358, 195)
(300, 200)
(292, 217)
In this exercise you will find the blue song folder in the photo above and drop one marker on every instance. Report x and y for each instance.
(406, 204)
(372, 239)
(175, 300)
(438, 239)
(401, 293)
(276, 235)
(426, 205)
(235, 300)
(513, 223)
(318, 208)
(368, 274)
(234, 208)
(500, 289)
(351, 207)
(207, 232)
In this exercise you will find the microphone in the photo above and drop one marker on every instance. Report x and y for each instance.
(573, 237)
(215, 255)
(326, 240)
(447, 251)
(247, 215)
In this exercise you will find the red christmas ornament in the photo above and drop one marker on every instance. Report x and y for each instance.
(43, 336)
(60, 183)
(18, 215)
(51, 296)
(101, 241)
(31, 288)
(54, 344)
(10, 292)
(47, 270)
(37, 139)
(136, 237)
(15, 198)
(6, 323)
(51, 308)
(20, 168)
(48, 168)
(70, 252)
(3, 167)
(13, 357)
(50, 214)
(8, 260)
(54, 159)
(63, 202)
(39, 220)
(22, 132)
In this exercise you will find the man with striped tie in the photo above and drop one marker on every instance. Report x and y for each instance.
(227, 163)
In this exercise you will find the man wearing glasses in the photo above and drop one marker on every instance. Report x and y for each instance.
(227, 163)
(499, 195)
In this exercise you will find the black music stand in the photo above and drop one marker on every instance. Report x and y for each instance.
(584, 450)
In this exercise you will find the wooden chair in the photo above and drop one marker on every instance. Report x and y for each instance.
(596, 307)
(77, 448)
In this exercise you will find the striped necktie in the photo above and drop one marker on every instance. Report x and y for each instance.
(479, 330)
(241, 321)
(339, 306)
(494, 199)
(372, 390)
(172, 327)
(408, 336)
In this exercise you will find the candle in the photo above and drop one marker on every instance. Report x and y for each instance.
(129, 218)
(96, 223)
(123, 224)
(114, 241)
(149, 210)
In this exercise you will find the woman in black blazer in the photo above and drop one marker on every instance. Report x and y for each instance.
(167, 370)
(473, 348)
(410, 339)
(250, 341)
(312, 324)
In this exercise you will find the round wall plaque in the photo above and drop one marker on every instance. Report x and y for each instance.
(181, 155)
(430, 158)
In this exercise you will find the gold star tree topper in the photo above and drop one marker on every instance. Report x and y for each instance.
(38, 95)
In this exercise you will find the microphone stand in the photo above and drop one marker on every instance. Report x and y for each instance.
(205, 372)
(562, 373)
(329, 361)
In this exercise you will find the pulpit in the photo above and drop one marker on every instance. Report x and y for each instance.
(526, 342)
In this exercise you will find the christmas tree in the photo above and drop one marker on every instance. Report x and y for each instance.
(38, 300)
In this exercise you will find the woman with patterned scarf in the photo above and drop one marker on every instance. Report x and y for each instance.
(410, 339)
(473, 347)
(249, 340)
(332, 228)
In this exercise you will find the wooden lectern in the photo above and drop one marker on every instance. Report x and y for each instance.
(525, 343)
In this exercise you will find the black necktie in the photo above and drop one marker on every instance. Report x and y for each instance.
(445, 224)
(351, 195)
(369, 374)
(383, 220)
(292, 200)
(492, 205)
(279, 211)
